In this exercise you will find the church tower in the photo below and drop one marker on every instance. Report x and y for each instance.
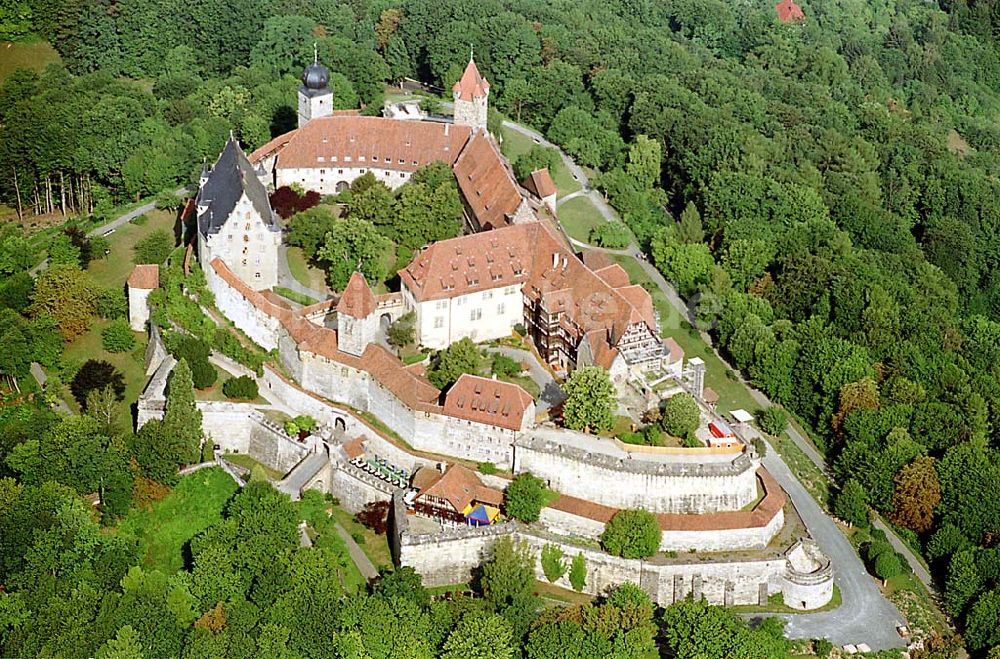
(471, 93)
(315, 97)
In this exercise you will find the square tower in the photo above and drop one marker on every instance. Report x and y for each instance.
(315, 97)
(471, 95)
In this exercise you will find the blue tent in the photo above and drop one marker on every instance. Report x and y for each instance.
(478, 516)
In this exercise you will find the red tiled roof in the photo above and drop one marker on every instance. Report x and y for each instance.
(675, 350)
(355, 448)
(370, 142)
(789, 12)
(486, 184)
(615, 275)
(460, 487)
(761, 515)
(540, 183)
(492, 402)
(145, 276)
(357, 300)
(523, 254)
(471, 84)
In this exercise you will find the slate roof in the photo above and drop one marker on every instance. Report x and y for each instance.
(230, 178)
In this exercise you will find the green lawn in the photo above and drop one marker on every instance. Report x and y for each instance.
(90, 346)
(112, 271)
(805, 470)
(515, 144)
(34, 56)
(294, 296)
(525, 383)
(245, 461)
(304, 273)
(375, 546)
(578, 216)
(194, 505)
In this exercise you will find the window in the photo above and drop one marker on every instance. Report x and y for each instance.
(244, 261)
(247, 227)
(256, 275)
(340, 171)
(501, 309)
(246, 238)
(441, 304)
(476, 314)
(322, 171)
(510, 290)
(458, 301)
(487, 295)
(438, 322)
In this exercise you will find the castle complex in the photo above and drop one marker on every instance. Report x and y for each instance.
(512, 268)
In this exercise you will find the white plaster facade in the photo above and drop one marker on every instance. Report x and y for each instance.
(138, 307)
(247, 244)
(480, 316)
(328, 178)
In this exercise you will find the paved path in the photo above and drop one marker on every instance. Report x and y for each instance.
(286, 279)
(365, 566)
(301, 474)
(112, 225)
(551, 394)
(865, 615)
(38, 373)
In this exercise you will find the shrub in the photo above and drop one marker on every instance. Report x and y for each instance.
(141, 220)
(243, 387)
(504, 366)
(118, 336)
(154, 248)
(773, 420)
(613, 235)
(851, 504)
(375, 515)
(111, 304)
(487, 468)
(520, 329)
(822, 648)
(552, 562)
(305, 422)
(578, 573)
(681, 415)
(358, 538)
(887, 565)
(402, 332)
(524, 496)
(203, 374)
(96, 374)
(632, 534)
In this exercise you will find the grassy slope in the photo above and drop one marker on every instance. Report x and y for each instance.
(578, 216)
(111, 272)
(194, 505)
(34, 56)
(304, 273)
(516, 144)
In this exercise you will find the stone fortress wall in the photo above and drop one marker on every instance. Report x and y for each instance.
(450, 557)
(675, 483)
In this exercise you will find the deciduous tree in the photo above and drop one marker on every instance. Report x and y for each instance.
(632, 534)
(681, 415)
(590, 397)
(917, 495)
(524, 497)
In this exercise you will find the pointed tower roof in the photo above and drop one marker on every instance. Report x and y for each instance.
(471, 85)
(789, 12)
(358, 301)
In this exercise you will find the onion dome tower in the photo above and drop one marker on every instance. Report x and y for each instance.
(315, 97)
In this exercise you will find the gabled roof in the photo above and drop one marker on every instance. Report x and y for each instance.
(230, 178)
(145, 276)
(540, 183)
(614, 275)
(674, 349)
(471, 85)
(357, 301)
(492, 402)
(486, 184)
(460, 487)
(789, 12)
(350, 140)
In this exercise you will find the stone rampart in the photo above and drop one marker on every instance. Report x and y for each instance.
(630, 482)
(451, 556)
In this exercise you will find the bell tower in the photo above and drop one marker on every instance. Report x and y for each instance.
(315, 97)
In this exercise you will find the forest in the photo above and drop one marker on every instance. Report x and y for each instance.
(825, 192)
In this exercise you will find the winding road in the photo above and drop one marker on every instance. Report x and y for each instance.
(865, 616)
